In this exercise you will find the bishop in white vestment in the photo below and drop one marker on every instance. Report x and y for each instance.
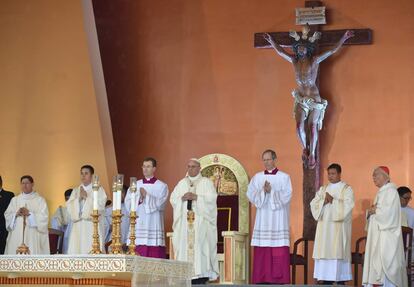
(270, 192)
(196, 194)
(31, 204)
(384, 261)
(150, 199)
(80, 208)
(332, 209)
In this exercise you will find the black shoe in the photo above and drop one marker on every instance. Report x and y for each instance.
(199, 281)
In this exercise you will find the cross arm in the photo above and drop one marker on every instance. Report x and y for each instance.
(329, 38)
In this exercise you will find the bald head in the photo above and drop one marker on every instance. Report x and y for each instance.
(193, 167)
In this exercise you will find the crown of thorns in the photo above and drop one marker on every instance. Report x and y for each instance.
(304, 39)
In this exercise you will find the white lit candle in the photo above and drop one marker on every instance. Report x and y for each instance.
(114, 193)
(118, 200)
(95, 200)
(133, 203)
(114, 201)
(133, 189)
(120, 183)
(95, 187)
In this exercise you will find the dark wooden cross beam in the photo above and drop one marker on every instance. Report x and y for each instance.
(311, 177)
(328, 38)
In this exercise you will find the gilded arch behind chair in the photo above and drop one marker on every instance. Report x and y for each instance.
(217, 159)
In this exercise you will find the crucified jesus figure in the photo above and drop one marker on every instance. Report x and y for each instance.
(309, 108)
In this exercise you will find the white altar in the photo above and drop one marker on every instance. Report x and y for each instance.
(92, 270)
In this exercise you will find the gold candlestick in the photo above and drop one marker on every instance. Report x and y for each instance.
(132, 216)
(96, 245)
(116, 245)
(132, 237)
(23, 248)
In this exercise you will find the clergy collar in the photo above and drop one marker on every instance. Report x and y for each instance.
(336, 183)
(388, 185)
(152, 180)
(193, 178)
(28, 195)
(271, 172)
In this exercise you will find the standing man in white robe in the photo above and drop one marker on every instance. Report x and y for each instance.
(61, 221)
(80, 207)
(270, 192)
(384, 262)
(30, 204)
(197, 194)
(332, 208)
(150, 200)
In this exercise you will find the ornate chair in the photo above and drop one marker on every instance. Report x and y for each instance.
(302, 259)
(233, 248)
(55, 241)
(358, 257)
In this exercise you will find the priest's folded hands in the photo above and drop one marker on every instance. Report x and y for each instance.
(23, 211)
(328, 198)
(267, 187)
(372, 209)
(143, 192)
(83, 194)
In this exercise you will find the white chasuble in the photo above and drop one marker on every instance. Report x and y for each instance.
(80, 210)
(205, 225)
(332, 248)
(384, 261)
(36, 235)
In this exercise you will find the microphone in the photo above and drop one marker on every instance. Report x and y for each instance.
(189, 204)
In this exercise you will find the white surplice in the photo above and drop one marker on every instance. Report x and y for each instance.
(332, 248)
(205, 225)
(61, 221)
(80, 238)
(384, 261)
(36, 235)
(271, 228)
(149, 228)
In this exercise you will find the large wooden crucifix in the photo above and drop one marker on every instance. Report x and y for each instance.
(309, 105)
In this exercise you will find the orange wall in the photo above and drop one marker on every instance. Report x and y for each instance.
(49, 123)
(184, 80)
